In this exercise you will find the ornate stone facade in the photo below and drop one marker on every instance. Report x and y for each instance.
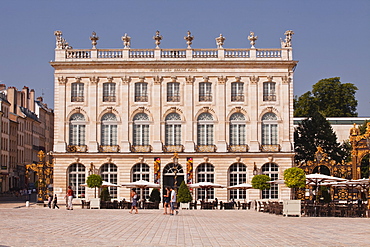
(232, 106)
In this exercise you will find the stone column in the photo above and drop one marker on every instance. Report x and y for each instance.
(220, 134)
(188, 127)
(125, 116)
(156, 96)
(254, 113)
(91, 96)
(60, 118)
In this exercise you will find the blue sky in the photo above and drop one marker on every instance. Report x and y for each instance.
(331, 36)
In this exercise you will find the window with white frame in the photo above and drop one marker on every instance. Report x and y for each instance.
(141, 171)
(205, 92)
(109, 92)
(76, 177)
(77, 126)
(271, 170)
(237, 175)
(237, 129)
(173, 92)
(269, 129)
(77, 94)
(141, 92)
(109, 174)
(237, 91)
(205, 173)
(205, 129)
(173, 129)
(141, 130)
(269, 93)
(109, 130)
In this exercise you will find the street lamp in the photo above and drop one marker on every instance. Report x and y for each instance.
(255, 169)
(175, 159)
(319, 155)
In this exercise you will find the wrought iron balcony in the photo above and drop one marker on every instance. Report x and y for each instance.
(205, 98)
(141, 98)
(205, 148)
(238, 148)
(270, 148)
(77, 148)
(108, 149)
(77, 98)
(141, 148)
(173, 98)
(109, 98)
(173, 148)
(269, 97)
(237, 98)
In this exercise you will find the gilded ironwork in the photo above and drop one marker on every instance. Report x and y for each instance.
(205, 148)
(108, 149)
(238, 148)
(141, 148)
(360, 148)
(173, 148)
(270, 148)
(77, 148)
(44, 171)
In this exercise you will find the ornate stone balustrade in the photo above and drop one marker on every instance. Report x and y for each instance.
(238, 148)
(141, 148)
(205, 148)
(270, 148)
(127, 54)
(173, 148)
(108, 149)
(77, 148)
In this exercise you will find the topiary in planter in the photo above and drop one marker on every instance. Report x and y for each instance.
(155, 196)
(260, 182)
(94, 181)
(294, 178)
(184, 195)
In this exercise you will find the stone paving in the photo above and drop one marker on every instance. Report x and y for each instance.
(39, 226)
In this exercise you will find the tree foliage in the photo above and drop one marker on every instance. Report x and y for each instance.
(155, 195)
(295, 177)
(363, 127)
(104, 194)
(184, 194)
(313, 132)
(330, 97)
(94, 181)
(260, 182)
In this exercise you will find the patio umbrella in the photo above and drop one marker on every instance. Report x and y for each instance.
(277, 181)
(104, 184)
(318, 179)
(243, 186)
(206, 186)
(141, 184)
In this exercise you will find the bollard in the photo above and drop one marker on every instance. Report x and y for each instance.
(27, 204)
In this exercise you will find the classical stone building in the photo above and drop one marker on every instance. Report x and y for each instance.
(123, 113)
(26, 128)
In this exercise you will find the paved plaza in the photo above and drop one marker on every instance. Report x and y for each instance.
(39, 226)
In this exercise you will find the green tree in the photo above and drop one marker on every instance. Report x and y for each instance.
(94, 181)
(330, 97)
(184, 195)
(313, 132)
(155, 196)
(104, 194)
(260, 182)
(363, 127)
(294, 178)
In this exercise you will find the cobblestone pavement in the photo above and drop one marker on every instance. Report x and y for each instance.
(39, 226)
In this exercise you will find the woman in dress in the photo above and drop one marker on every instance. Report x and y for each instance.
(166, 200)
(134, 201)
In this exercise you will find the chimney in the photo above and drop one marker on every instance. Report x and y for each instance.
(32, 100)
(2, 87)
(25, 95)
(12, 98)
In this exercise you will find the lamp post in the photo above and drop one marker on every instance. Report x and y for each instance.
(319, 155)
(255, 169)
(175, 159)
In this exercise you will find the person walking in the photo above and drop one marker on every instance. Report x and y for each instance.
(50, 200)
(134, 201)
(69, 197)
(55, 202)
(173, 202)
(166, 200)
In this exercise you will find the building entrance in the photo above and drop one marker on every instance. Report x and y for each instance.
(171, 173)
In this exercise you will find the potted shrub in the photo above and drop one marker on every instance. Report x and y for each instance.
(294, 178)
(184, 195)
(94, 181)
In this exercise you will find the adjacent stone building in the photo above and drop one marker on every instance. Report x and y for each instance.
(26, 128)
(123, 113)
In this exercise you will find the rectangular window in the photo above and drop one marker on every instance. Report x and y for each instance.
(77, 94)
(141, 92)
(205, 92)
(173, 92)
(269, 134)
(269, 93)
(237, 94)
(109, 92)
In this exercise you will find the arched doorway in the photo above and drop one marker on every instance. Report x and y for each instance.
(169, 172)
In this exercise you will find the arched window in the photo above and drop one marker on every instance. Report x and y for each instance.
(77, 129)
(269, 129)
(141, 130)
(141, 171)
(237, 91)
(141, 92)
(205, 129)
(77, 94)
(173, 129)
(237, 129)
(109, 129)
(205, 173)
(237, 175)
(173, 92)
(205, 92)
(271, 170)
(109, 92)
(76, 177)
(109, 174)
(269, 93)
